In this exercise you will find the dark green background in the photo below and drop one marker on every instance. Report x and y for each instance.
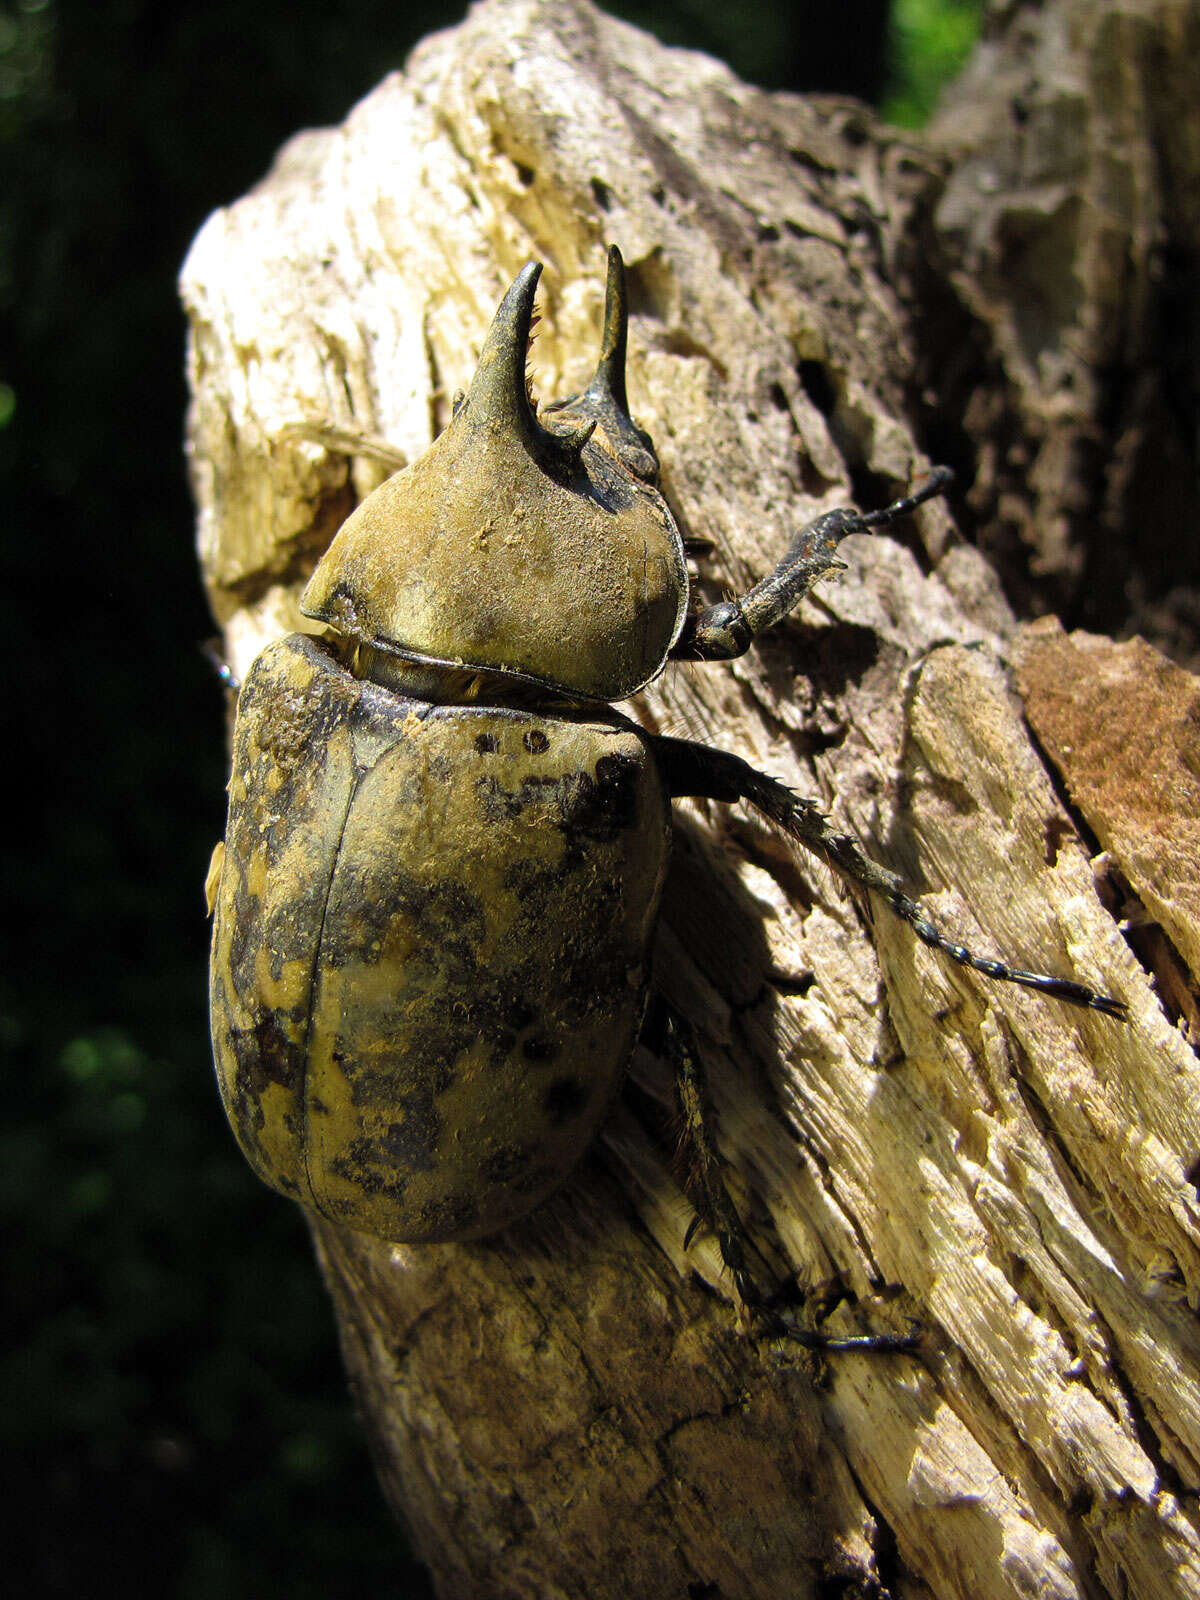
(173, 1412)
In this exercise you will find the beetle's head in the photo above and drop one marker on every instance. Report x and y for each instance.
(513, 548)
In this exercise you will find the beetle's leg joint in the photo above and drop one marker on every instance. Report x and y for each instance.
(719, 633)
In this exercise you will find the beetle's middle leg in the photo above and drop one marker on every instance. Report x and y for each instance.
(704, 773)
(670, 1032)
(726, 630)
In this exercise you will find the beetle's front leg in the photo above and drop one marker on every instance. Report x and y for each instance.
(670, 1033)
(726, 630)
(703, 773)
(352, 442)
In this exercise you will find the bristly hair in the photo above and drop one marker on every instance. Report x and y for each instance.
(534, 319)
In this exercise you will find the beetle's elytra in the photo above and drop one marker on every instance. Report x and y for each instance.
(420, 1040)
(445, 851)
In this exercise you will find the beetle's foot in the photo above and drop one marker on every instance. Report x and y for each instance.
(759, 1315)
(777, 1318)
(770, 1324)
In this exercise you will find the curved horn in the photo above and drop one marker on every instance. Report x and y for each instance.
(498, 394)
(608, 381)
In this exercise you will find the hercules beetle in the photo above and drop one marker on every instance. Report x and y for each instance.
(445, 851)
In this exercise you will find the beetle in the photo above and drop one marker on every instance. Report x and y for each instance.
(446, 849)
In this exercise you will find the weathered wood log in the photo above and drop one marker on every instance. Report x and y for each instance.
(1069, 227)
(569, 1409)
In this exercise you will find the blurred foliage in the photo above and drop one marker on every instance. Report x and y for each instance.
(171, 1388)
(802, 44)
(174, 1398)
(928, 41)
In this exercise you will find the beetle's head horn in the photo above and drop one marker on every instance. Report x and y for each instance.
(604, 400)
(499, 394)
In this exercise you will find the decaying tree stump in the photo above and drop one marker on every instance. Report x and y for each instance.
(1069, 227)
(569, 1409)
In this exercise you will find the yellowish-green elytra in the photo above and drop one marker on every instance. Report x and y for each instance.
(432, 937)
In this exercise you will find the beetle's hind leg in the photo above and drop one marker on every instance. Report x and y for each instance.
(702, 772)
(670, 1032)
(726, 630)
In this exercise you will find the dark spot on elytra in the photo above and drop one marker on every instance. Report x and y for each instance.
(578, 973)
(412, 1142)
(282, 926)
(564, 1099)
(448, 919)
(536, 742)
(445, 1218)
(361, 1170)
(543, 1176)
(532, 882)
(590, 809)
(505, 805)
(616, 787)
(266, 1055)
(284, 731)
(507, 1163)
(598, 810)
(409, 1143)
(501, 1046)
(539, 1048)
(380, 1082)
(518, 1013)
(487, 744)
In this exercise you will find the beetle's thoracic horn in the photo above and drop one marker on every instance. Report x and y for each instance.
(608, 381)
(498, 394)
